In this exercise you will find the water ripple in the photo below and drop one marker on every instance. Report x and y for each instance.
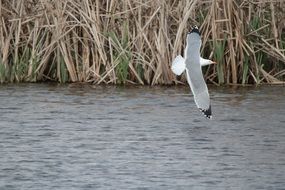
(80, 137)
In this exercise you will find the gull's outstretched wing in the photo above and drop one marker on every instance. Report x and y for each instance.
(194, 72)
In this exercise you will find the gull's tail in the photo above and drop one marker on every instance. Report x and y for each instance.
(178, 65)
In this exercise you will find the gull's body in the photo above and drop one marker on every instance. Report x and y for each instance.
(179, 66)
(192, 65)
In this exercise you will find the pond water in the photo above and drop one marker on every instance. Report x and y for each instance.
(99, 137)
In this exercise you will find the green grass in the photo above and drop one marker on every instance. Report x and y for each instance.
(63, 72)
(245, 70)
(3, 73)
(219, 49)
(122, 54)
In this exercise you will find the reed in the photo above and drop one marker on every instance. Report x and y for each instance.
(134, 41)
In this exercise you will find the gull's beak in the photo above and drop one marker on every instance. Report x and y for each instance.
(214, 62)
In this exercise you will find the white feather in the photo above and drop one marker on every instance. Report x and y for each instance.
(178, 65)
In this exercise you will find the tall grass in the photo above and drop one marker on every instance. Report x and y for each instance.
(134, 41)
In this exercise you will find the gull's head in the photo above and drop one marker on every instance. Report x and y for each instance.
(206, 62)
(212, 62)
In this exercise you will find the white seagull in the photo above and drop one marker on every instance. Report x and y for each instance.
(192, 64)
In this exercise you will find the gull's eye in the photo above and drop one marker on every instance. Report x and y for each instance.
(196, 27)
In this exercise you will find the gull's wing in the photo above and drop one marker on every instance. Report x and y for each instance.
(194, 73)
(178, 65)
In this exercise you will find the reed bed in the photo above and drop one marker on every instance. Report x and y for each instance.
(135, 41)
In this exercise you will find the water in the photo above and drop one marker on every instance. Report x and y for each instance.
(84, 137)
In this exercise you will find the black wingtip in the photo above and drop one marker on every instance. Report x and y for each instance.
(195, 30)
(207, 112)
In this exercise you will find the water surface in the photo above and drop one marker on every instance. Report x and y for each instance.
(86, 137)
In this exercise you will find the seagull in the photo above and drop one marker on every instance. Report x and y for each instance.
(192, 64)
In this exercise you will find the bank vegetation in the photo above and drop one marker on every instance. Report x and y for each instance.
(135, 41)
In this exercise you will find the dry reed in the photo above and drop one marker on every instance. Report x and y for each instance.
(134, 41)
